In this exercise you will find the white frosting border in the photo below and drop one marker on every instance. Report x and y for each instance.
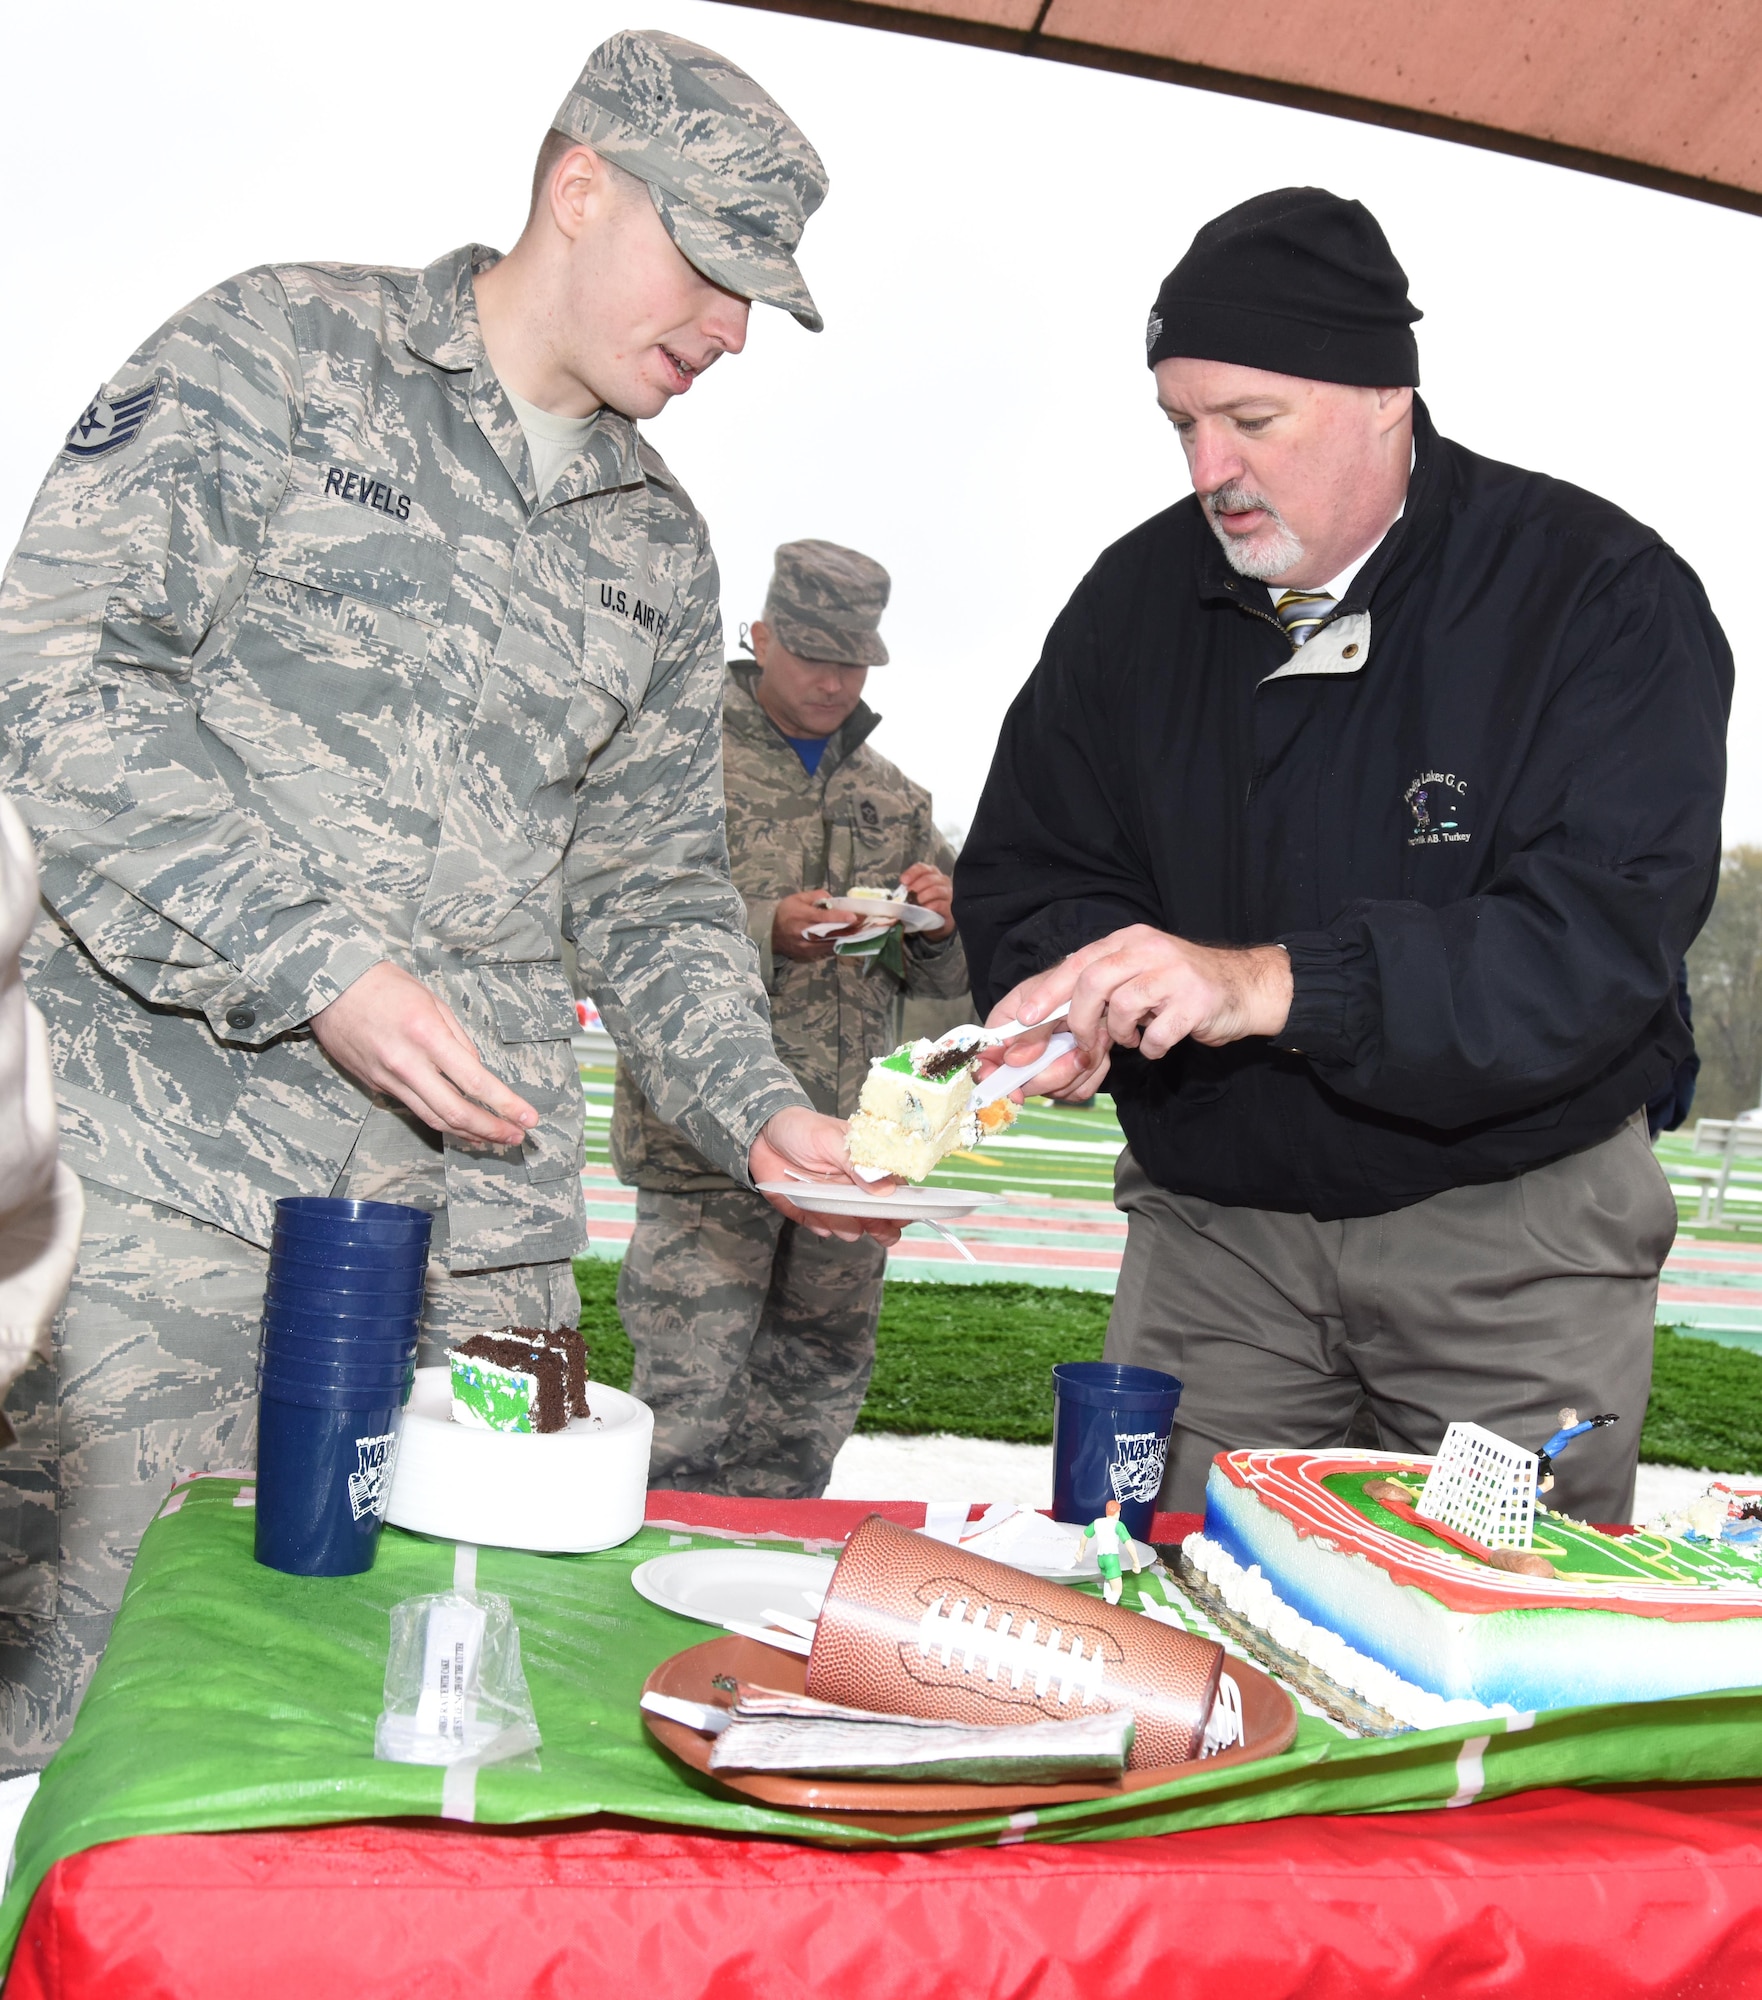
(1252, 1598)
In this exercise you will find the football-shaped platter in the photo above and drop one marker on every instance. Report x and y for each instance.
(1269, 1720)
(911, 1626)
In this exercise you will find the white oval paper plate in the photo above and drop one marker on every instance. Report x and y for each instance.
(581, 1488)
(716, 1585)
(1085, 1569)
(912, 915)
(900, 1204)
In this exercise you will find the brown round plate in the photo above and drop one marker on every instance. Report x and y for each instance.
(1269, 1716)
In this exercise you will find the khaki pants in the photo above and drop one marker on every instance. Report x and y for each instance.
(754, 1341)
(152, 1372)
(1495, 1305)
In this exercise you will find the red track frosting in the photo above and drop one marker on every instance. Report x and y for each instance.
(1290, 1482)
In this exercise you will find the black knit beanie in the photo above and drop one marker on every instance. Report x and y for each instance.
(1298, 282)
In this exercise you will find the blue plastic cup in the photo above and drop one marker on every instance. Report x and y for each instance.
(336, 1347)
(312, 1225)
(294, 1371)
(333, 1395)
(368, 1301)
(322, 1321)
(324, 1473)
(310, 1256)
(1110, 1440)
(346, 1262)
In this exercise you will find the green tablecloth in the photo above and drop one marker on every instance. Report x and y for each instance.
(233, 1697)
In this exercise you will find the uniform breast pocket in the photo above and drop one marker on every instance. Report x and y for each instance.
(325, 667)
(571, 687)
(534, 1013)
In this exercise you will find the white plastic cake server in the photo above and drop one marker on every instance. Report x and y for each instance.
(1013, 1075)
(971, 1036)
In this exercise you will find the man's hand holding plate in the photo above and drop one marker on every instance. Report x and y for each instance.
(799, 1143)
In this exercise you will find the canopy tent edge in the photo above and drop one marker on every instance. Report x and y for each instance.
(1266, 90)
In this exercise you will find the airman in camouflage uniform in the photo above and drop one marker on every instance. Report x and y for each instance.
(754, 1339)
(304, 679)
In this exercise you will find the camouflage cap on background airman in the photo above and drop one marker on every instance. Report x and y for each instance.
(825, 603)
(731, 173)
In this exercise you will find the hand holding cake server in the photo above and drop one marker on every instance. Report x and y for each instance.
(1362, 807)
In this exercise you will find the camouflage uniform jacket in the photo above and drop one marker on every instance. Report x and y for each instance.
(858, 818)
(297, 674)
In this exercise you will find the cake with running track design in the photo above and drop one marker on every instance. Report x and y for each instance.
(1329, 1555)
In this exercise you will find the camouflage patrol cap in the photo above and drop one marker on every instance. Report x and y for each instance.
(731, 173)
(825, 603)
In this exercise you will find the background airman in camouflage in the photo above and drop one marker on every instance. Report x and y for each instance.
(754, 1339)
(331, 726)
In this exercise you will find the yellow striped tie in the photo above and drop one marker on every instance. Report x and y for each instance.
(1303, 613)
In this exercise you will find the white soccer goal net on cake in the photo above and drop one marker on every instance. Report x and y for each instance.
(1482, 1485)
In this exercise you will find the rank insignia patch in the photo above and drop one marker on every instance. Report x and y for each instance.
(109, 426)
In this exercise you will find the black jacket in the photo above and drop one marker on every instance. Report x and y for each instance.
(1480, 808)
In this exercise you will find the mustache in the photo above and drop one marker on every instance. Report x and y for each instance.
(1235, 498)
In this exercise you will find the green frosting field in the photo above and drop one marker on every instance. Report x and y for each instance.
(1577, 1552)
(503, 1397)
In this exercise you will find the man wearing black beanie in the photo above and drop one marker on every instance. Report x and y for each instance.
(1363, 805)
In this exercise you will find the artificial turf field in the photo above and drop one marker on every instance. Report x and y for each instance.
(976, 1360)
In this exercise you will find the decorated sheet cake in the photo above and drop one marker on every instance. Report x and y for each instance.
(1325, 1552)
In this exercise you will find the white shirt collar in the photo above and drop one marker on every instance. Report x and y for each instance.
(1337, 586)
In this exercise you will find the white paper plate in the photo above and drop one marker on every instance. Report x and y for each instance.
(1086, 1569)
(912, 915)
(1027, 1540)
(716, 1585)
(900, 1204)
(844, 935)
(583, 1487)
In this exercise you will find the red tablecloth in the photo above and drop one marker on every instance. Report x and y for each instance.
(1556, 1894)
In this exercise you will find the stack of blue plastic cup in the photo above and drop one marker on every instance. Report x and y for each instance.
(338, 1358)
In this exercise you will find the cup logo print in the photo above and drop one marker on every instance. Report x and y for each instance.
(1135, 1470)
(370, 1486)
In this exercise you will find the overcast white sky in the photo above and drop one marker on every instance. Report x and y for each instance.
(977, 415)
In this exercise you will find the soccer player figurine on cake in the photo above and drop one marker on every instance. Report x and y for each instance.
(1571, 1426)
(1112, 1546)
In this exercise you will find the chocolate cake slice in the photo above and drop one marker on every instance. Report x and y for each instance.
(509, 1384)
(567, 1342)
(523, 1378)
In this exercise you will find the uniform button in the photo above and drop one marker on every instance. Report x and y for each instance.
(241, 1017)
(1349, 652)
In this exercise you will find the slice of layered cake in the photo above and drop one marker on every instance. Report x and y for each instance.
(917, 1106)
(525, 1379)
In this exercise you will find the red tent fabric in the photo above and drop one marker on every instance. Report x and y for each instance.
(1662, 92)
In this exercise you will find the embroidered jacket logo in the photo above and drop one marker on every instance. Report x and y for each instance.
(1437, 809)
